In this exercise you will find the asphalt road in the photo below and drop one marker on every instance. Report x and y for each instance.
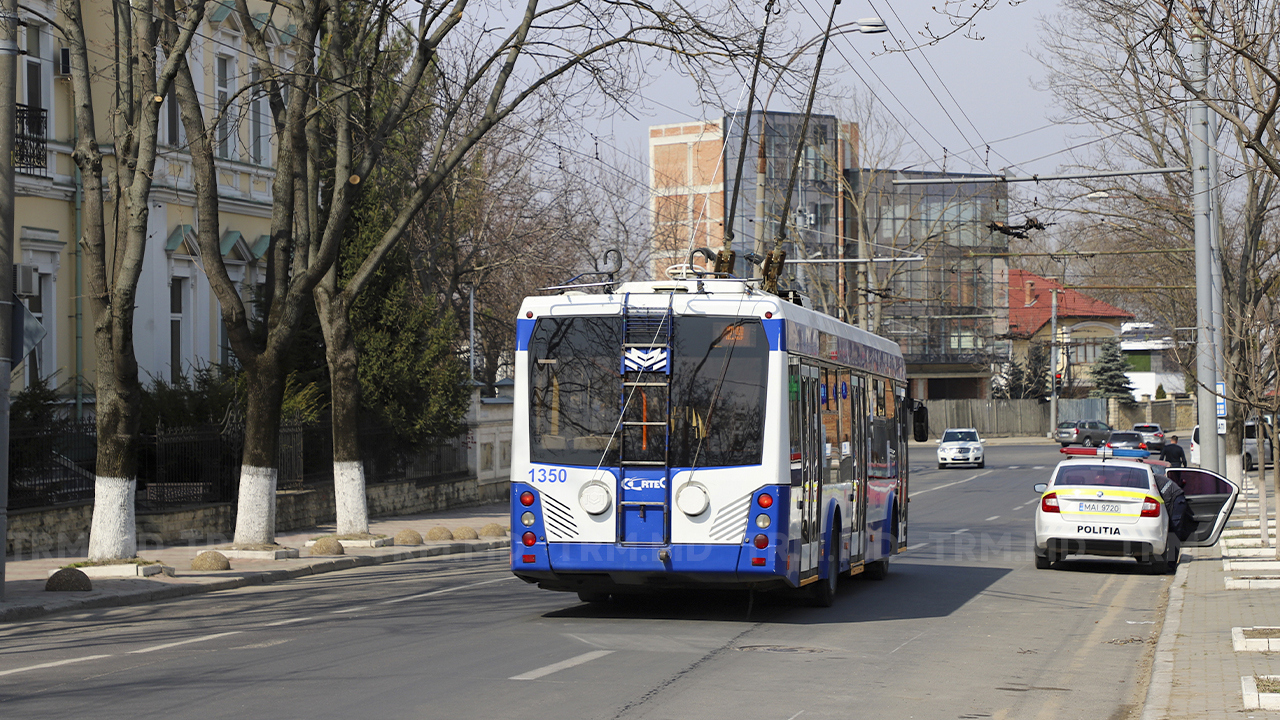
(963, 627)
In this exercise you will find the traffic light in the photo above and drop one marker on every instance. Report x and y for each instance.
(1057, 383)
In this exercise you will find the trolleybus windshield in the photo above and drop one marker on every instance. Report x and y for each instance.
(713, 402)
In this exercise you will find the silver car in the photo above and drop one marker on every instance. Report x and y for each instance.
(1089, 433)
(1152, 435)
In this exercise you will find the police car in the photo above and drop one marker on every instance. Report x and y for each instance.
(960, 446)
(1105, 501)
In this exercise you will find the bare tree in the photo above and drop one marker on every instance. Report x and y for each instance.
(149, 42)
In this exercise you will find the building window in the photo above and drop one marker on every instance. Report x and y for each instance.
(36, 359)
(225, 136)
(259, 129)
(177, 304)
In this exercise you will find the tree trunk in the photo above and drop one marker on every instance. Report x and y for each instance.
(256, 507)
(340, 353)
(1263, 531)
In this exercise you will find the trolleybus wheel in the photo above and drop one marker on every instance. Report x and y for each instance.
(593, 597)
(876, 570)
(824, 591)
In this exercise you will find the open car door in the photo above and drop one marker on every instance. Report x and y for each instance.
(1211, 499)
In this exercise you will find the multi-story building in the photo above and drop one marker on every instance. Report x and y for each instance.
(918, 264)
(177, 323)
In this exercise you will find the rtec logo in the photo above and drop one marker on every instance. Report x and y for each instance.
(638, 484)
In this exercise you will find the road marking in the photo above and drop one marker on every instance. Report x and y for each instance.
(357, 608)
(153, 648)
(961, 530)
(51, 664)
(906, 643)
(917, 546)
(446, 590)
(958, 482)
(562, 665)
(286, 622)
(993, 517)
(1025, 504)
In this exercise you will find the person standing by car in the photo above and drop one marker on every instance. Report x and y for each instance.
(1172, 453)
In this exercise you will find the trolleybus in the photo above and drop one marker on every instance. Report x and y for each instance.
(703, 433)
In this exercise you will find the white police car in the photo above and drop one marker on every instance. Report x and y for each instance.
(960, 446)
(1104, 501)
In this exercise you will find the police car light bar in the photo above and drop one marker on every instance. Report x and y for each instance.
(1106, 452)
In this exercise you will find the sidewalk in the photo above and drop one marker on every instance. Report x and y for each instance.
(25, 596)
(1208, 654)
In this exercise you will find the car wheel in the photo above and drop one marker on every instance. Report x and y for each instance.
(1065, 444)
(1248, 462)
(1088, 442)
(941, 465)
(1043, 562)
(982, 464)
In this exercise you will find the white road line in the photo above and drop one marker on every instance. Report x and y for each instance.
(357, 608)
(961, 530)
(562, 665)
(917, 546)
(993, 517)
(446, 590)
(286, 622)
(153, 648)
(51, 664)
(958, 482)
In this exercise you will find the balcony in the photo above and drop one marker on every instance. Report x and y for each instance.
(30, 146)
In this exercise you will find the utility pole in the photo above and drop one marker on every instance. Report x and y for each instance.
(1206, 375)
(8, 123)
(1053, 364)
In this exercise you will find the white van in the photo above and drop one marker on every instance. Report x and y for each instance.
(1249, 453)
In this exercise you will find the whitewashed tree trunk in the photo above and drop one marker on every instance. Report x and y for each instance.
(256, 509)
(112, 534)
(349, 498)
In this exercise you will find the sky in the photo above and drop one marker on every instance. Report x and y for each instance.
(963, 105)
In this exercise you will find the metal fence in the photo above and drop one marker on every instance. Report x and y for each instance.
(1009, 418)
(193, 465)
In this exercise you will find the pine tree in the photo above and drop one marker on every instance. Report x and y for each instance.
(1011, 382)
(1110, 373)
(1037, 377)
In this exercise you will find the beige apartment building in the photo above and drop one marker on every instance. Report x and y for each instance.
(178, 325)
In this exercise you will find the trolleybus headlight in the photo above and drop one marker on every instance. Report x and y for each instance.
(526, 498)
(692, 499)
(529, 539)
(761, 542)
(765, 500)
(594, 497)
(527, 519)
(762, 521)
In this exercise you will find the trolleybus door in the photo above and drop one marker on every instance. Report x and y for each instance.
(806, 464)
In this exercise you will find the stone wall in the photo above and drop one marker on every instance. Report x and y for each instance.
(64, 531)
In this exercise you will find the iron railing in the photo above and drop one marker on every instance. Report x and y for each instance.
(30, 140)
(197, 465)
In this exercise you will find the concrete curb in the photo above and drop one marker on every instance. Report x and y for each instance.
(62, 602)
(1156, 706)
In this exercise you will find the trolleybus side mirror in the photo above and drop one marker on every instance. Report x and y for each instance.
(920, 422)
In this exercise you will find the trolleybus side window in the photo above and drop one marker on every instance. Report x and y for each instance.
(574, 390)
(718, 392)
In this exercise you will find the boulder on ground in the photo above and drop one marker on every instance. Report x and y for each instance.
(210, 560)
(493, 530)
(465, 533)
(408, 536)
(68, 580)
(327, 546)
(439, 532)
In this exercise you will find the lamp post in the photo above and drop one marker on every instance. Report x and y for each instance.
(864, 26)
(8, 121)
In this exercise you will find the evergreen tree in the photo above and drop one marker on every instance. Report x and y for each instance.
(1037, 374)
(1110, 373)
(1011, 383)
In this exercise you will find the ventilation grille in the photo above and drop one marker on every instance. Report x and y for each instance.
(559, 519)
(648, 329)
(731, 521)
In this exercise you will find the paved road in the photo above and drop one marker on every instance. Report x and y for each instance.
(964, 627)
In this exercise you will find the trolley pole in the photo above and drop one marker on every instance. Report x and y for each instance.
(8, 122)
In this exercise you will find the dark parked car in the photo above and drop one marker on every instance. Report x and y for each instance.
(1126, 439)
(1088, 433)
